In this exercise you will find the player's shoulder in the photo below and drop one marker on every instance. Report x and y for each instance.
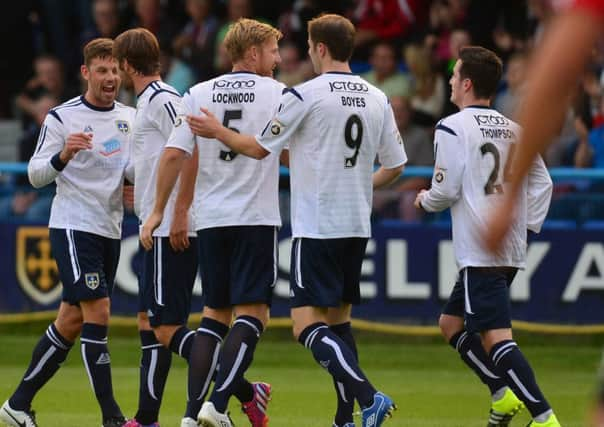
(451, 124)
(160, 92)
(58, 113)
(125, 109)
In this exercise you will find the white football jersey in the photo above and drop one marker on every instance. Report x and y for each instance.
(335, 124)
(474, 148)
(232, 189)
(89, 192)
(156, 113)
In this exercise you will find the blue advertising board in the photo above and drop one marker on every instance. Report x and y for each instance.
(408, 273)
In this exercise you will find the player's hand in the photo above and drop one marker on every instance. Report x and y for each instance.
(418, 198)
(148, 228)
(206, 125)
(75, 143)
(179, 236)
(498, 225)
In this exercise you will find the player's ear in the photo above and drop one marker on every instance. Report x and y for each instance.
(84, 71)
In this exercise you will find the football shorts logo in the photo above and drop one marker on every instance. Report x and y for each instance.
(178, 121)
(92, 280)
(37, 271)
(122, 126)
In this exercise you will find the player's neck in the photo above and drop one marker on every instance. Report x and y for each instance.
(329, 65)
(141, 83)
(472, 101)
(244, 66)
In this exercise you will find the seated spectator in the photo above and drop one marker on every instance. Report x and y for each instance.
(195, 44)
(236, 9)
(384, 73)
(428, 86)
(26, 202)
(48, 79)
(106, 18)
(590, 151)
(397, 201)
(389, 20)
(291, 70)
(176, 72)
(508, 100)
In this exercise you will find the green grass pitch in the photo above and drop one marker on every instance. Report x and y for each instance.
(427, 380)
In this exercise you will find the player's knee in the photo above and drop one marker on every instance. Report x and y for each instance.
(96, 311)
(449, 326)
(143, 322)
(164, 334)
(257, 311)
(222, 315)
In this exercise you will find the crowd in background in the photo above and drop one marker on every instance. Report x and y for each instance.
(407, 48)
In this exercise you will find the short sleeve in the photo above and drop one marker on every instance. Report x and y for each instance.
(391, 152)
(181, 136)
(290, 114)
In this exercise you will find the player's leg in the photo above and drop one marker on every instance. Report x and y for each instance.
(253, 274)
(469, 346)
(203, 359)
(48, 354)
(338, 319)
(487, 308)
(171, 285)
(316, 284)
(95, 258)
(155, 357)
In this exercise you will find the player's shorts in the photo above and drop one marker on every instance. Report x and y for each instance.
(238, 264)
(87, 263)
(481, 296)
(166, 282)
(326, 272)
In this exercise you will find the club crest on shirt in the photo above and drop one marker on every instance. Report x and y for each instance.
(36, 269)
(92, 280)
(122, 126)
(178, 121)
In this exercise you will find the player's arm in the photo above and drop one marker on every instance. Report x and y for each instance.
(391, 152)
(180, 143)
(449, 166)
(54, 151)
(539, 195)
(208, 126)
(179, 229)
(556, 68)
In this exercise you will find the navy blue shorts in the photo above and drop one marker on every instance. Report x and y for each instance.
(481, 296)
(87, 263)
(326, 272)
(166, 282)
(238, 264)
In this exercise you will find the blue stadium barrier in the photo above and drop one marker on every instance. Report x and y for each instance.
(558, 174)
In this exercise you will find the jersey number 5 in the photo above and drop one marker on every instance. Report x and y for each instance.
(229, 115)
(353, 140)
(492, 186)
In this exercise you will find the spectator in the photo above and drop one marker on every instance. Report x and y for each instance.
(590, 151)
(27, 203)
(291, 70)
(398, 199)
(384, 73)
(388, 20)
(48, 79)
(195, 44)
(236, 9)
(106, 18)
(508, 100)
(176, 72)
(428, 86)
